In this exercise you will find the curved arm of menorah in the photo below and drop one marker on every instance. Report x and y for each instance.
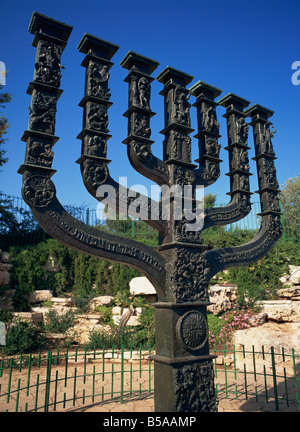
(39, 193)
(271, 227)
(144, 162)
(119, 198)
(243, 255)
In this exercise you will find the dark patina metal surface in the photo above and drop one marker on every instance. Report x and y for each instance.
(181, 267)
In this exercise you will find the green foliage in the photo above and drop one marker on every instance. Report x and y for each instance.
(4, 99)
(290, 201)
(23, 337)
(55, 323)
(106, 314)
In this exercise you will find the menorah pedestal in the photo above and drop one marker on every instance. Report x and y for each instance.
(183, 367)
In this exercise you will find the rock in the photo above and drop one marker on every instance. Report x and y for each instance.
(4, 277)
(258, 319)
(281, 310)
(133, 321)
(34, 317)
(292, 293)
(39, 296)
(5, 257)
(116, 310)
(295, 274)
(101, 301)
(62, 301)
(141, 286)
(286, 335)
(222, 297)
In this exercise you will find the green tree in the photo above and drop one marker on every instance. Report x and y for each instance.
(4, 99)
(290, 202)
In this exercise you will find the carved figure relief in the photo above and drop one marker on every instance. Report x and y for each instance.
(183, 235)
(48, 67)
(180, 108)
(40, 153)
(210, 123)
(39, 190)
(269, 174)
(42, 112)
(265, 139)
(97, 80)
(212, 170)
(98, 118)
(275, 227)
(212, 147)
(189, 277)
(94, 173)
(240, 159)
(242, 129)
(97, 146)
(195, 389)
(140, 125)
(244, 204)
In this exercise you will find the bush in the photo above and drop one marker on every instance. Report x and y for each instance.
(22, 338)
(55, 323)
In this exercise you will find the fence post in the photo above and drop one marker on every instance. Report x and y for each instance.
(274, 379)
(47, 384)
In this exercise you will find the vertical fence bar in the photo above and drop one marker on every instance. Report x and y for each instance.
(74, 388)
(286, 387)
(55, 390)
(18, 394)
(122, 372)
(84, 366)
(234, 361)
(245, 379)
(20, 363)
(28, 375)
(112, 380)
(9, 379)
(274, 379)
(1, 368)
(93, 396)
(149, 370)
(66, 367)
(254, 365)
(36, 392)
(226, 384)
(47, 384)
(266, 385)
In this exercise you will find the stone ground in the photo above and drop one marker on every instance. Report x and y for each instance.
(76, 393)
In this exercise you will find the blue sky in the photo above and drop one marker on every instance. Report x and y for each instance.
(244, 47)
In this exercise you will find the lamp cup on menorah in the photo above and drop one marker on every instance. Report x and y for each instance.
(181, 267)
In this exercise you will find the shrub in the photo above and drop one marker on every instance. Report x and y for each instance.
(55, 323)
(23, 337)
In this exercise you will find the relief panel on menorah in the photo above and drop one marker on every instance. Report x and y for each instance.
(270, 201)
(264, 142)
(39, 152)
(211, 147)
(39, 190)
(177, 146)
(94, 173)
(95, 145)
(208, 120)
(42, 112)
(139, 125)
(189, 280)
(211, 170)
(139, 92)
(180, 108)
(267, 174)
(47, 65)
(239, 132)
(192, 331)
(97, 80)
(96, 117)
(239, 158)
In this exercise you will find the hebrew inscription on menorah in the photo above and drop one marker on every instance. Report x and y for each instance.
(182, 266)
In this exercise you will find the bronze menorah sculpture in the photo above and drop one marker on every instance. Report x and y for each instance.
(181, 267)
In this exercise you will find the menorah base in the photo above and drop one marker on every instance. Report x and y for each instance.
(183, 367)
(183, 386)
